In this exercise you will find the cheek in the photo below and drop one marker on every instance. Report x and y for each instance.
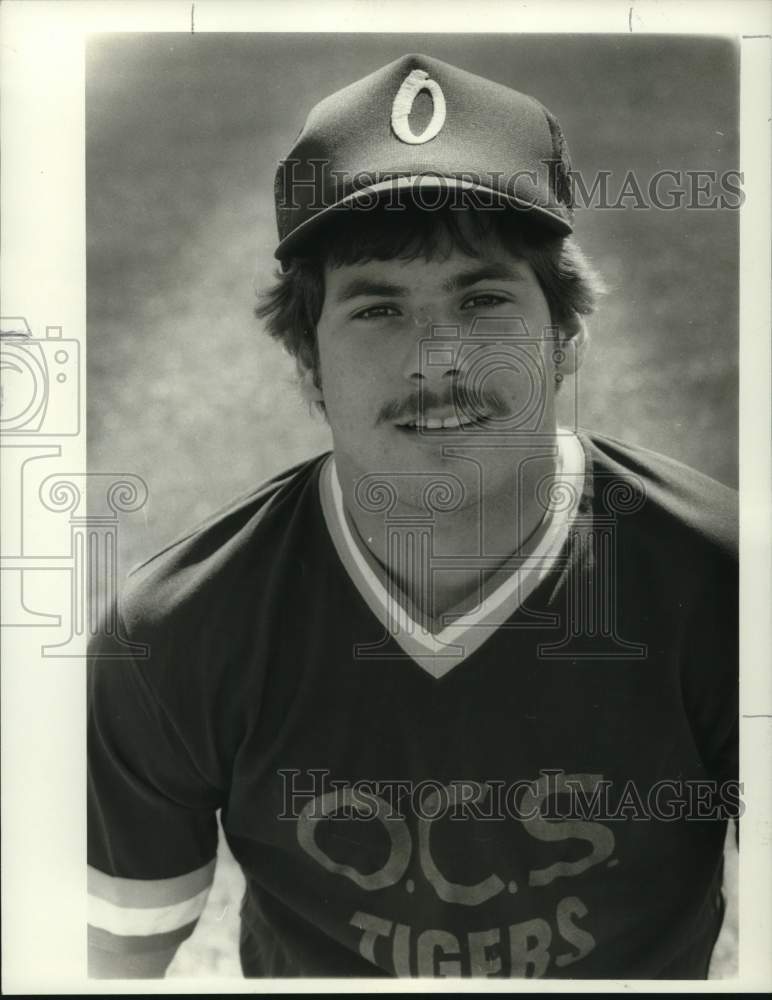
(510, 368)
(352, 374)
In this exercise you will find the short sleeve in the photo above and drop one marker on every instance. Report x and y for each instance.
(152, 824)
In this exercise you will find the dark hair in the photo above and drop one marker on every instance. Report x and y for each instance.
(293, 303)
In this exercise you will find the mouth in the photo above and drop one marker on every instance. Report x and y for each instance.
(441, 424)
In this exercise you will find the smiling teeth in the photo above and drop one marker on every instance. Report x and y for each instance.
(436, 424)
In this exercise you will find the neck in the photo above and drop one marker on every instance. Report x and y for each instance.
(448, 559)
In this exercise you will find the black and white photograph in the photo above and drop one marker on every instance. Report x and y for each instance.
(404, 568)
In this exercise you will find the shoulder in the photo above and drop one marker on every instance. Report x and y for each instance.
(185, 656)
(673, 503)
(212, 571)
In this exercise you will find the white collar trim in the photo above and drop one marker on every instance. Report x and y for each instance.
(439, 652)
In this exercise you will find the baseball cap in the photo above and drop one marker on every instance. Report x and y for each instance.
(365, 143)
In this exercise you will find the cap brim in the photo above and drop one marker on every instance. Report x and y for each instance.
(291, 243)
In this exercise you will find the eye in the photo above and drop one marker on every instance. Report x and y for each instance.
(484, 300)
(376, 312)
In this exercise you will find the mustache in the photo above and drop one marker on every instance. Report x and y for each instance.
(471, 401)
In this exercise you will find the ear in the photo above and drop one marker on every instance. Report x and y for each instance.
(311, 393)
(572, 343)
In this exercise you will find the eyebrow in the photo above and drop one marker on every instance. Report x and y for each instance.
(464, 279)
(362, 286)
(487, 272)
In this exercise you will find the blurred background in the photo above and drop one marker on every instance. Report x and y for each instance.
(184, 388)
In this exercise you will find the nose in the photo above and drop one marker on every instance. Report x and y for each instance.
(432, 353)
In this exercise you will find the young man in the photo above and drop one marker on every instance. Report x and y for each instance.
(465, 689)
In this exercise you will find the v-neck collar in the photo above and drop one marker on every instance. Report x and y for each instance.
(437, 653)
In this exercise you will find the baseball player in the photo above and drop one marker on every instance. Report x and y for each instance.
(463, 690)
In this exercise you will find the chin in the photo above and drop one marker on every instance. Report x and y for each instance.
(426, 480)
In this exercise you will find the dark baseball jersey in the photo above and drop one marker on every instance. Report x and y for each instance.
(539, 789)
